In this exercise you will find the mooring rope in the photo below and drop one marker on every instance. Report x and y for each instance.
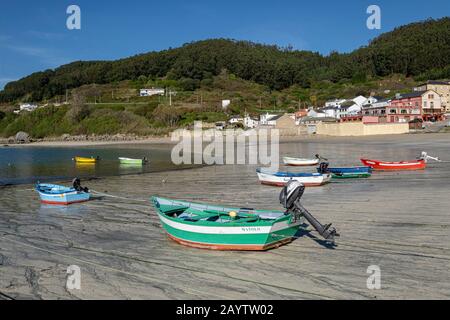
(117, 197)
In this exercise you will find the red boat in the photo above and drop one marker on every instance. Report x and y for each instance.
(402, 165)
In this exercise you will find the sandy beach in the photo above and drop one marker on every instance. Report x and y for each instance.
(399, 221)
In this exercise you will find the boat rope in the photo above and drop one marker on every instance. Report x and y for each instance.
(137, 275)
(117, 197)
(4, 296)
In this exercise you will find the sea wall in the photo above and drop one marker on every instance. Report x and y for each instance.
(360, 129)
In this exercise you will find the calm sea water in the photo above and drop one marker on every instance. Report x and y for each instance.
(19, 165)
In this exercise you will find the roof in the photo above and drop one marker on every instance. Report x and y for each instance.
(410, 95)
(275, 117)
(435, 82)
(347, 104)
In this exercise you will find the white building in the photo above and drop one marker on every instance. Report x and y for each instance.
(314, 114)
(27, 107)
(265, 118)
(152, 92)
(250, 122)
(334, 103)
(235, 120)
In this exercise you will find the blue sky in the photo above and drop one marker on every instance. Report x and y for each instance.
(34, 37)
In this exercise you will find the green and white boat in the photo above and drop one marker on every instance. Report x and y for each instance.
(215, 227)
(224, 228)
(350, 175)
(133, 161)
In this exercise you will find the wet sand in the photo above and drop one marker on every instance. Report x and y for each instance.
(398, 221)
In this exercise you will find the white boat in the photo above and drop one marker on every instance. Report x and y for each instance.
(300, 161)
(281, 178)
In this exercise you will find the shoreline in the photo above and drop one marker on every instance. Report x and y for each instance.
(168, 140)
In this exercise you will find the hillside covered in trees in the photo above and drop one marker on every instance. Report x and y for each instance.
(420, 50)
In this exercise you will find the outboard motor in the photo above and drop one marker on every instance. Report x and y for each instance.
(290, 199)
(318, 156)
(76, 183)
(323, 167)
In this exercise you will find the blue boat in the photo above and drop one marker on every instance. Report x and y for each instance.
(348, 170)
(61, 195)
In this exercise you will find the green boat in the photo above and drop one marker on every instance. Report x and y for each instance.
(133, 161)
(351, 175)
(215, 227)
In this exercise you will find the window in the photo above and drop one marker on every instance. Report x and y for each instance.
(403, 111)
(392, 111)
(383, 111)
(431, 104)
(424, 104)
(417, 104)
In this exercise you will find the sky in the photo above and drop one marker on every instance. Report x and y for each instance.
(34, 35)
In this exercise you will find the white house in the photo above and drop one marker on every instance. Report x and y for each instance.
(235, 120)
(250, 122)
(334, 103)
(314, 114)
(152, 92)
(27, 107)
(264, 118)
(359, 100)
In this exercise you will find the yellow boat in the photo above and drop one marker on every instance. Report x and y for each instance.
(86, 160)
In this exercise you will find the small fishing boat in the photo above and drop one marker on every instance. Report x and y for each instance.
(348, 172)
(391, 166)
(300, 161)
(217, 227)
(281, 178)
(351, 175)
(86, 160)
(133, 161)
(61, 195)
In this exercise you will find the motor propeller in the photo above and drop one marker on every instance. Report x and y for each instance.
(290, 199)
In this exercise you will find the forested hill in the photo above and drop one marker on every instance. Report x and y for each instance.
(419, 49)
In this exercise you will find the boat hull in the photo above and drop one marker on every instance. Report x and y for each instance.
(256, 236)
(297, 162)
(350, 175)
(68, 197)
(395, 166)
(314, 180)
(131, 161)
(85, 160)
(349, 170)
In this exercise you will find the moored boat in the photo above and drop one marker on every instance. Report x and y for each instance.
(61, 195)
(351, 175)
(419, 164)
(86, 160)
(300, 161)
(224, 228)
(132, 161)
(217, 227)
(281, 178)
(347, 170)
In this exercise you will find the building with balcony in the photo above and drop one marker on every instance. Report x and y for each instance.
(440, 87)
(425, 105)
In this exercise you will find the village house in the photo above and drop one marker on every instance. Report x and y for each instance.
(26, 107)
(440, 87)
(377, 109)
(236, 119)
(151, 92)
(268, 119)
(425, 105)
(250, 122)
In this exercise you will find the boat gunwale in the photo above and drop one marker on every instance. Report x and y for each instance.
(262, 222)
